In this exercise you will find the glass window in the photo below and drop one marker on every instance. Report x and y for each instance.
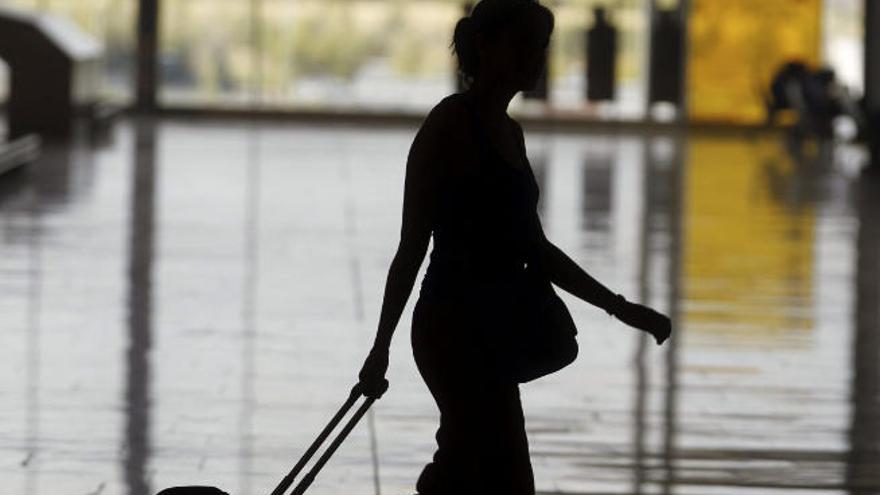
(206, 53)
(369, 55)
(394, 55)
(843, 41)
(307, 53)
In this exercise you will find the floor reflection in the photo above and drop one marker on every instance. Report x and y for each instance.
(863, 459)
(675, 177)
(249, 284)
(185, 304)
(750, 240)
(140, 317)
(596, 198)
(33, 346)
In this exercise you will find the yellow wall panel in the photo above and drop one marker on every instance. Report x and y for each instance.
(734, 48)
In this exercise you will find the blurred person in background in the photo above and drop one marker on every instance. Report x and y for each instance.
(815, 95)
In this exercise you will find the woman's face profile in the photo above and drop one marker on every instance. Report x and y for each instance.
(521, 52)
(531, 37)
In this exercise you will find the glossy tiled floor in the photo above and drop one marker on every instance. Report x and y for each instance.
(190, 302)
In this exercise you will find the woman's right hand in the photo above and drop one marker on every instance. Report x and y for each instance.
(372, 376)
(646, 319)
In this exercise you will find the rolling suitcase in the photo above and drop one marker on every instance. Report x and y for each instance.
(307, 480)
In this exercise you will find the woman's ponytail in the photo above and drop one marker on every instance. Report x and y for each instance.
(465, 46)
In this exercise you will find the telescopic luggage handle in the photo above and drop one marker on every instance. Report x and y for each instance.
(307, 480)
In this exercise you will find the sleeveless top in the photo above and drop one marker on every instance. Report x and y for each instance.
(485, 229)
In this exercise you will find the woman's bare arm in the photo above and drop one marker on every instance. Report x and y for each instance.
(562, 270)
(419, 200)
(415, 234)
(566, 274)
(569, 276)
(423, 177)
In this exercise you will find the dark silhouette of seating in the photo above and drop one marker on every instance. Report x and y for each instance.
(55, 73)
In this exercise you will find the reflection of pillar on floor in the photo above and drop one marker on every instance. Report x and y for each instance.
(140, 280)
(33, 344)
(640, 412)
(250, 273)
(597, 190)
(627, 204)
(56, 170)
(560, 187)
(642, 381)
(661, 158)
(355, 264)
(872, 76)
(863, 460)
(676, 250)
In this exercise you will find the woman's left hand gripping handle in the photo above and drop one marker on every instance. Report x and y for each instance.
(372, 380)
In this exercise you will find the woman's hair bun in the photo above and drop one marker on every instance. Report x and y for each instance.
(465, 45)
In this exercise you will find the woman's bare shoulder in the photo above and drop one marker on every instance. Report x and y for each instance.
(447, 120)
(443, 140)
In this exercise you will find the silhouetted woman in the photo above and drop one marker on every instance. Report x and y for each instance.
(468, 182)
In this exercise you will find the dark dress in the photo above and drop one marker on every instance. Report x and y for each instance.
(483, 235)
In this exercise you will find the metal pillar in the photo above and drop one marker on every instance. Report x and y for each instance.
(872, 76)
(147, 54)
(668, 56)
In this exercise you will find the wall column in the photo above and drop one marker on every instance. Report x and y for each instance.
(147, 54)
(872, 76)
